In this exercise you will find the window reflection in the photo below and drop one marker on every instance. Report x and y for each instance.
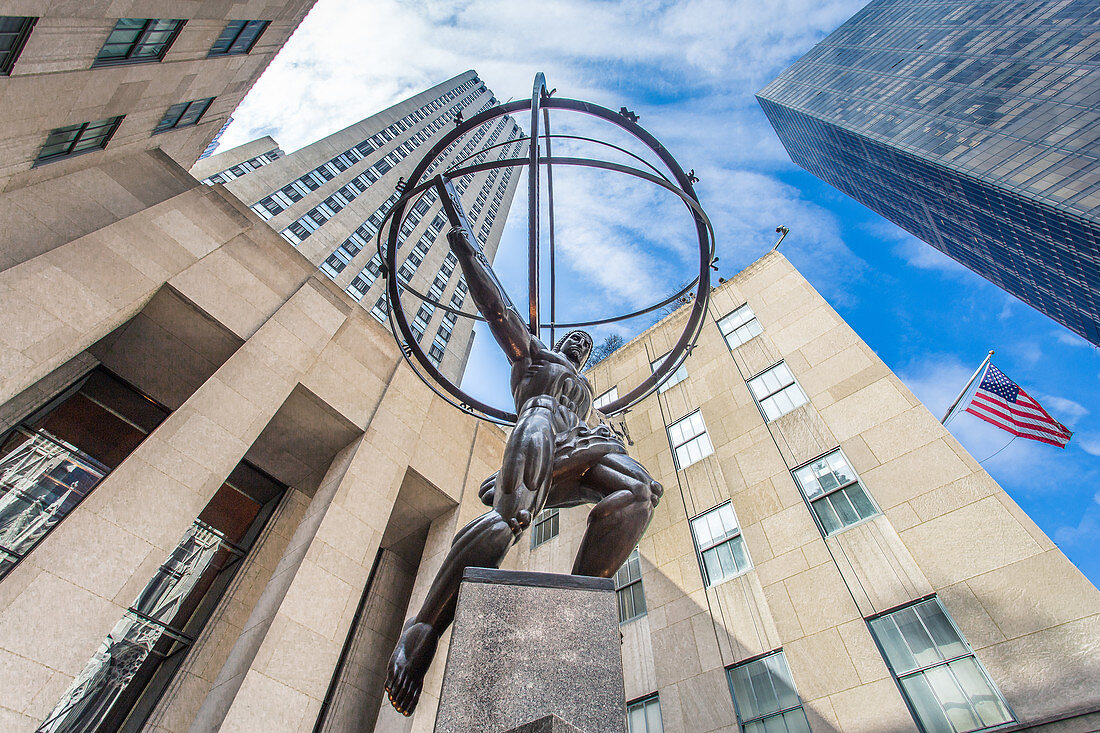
(56, 457)
(122, 681)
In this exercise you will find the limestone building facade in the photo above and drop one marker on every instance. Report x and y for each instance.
(826, 556)
(81, 87)
(330, 199)
(204, 441)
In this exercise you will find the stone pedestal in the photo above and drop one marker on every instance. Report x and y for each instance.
(527, 647)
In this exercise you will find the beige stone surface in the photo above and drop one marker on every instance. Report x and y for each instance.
(53, 83)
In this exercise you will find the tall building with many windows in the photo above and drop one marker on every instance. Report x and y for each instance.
(826, 556)
(82, 88)
(330, 199)
(100, 110)
(972, 125)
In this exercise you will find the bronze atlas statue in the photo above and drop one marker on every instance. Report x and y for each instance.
(554, 457)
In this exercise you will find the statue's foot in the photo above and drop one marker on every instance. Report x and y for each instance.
(408, 665)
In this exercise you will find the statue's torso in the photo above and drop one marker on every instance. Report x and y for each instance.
(549, 374)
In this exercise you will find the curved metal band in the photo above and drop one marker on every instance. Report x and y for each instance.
(588, 163)
(679, 352)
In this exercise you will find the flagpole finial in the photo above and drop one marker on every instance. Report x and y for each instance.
(977, 372)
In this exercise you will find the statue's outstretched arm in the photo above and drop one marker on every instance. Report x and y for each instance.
(504, 320)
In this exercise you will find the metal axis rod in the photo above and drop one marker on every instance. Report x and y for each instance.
(533, 208)
(967, 387)
(550, 222)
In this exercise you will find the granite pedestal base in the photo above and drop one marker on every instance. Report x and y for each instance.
(530, 646)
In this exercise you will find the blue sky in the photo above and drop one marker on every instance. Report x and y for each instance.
(690, 69)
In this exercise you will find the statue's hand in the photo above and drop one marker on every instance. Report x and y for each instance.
(487, 492)
(460, 243)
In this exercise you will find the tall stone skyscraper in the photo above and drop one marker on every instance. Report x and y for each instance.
(974, 126)
(330, 199)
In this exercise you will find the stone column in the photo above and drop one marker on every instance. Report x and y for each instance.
(294, 638)
(60, 602)
(60, 302)
(530, 646)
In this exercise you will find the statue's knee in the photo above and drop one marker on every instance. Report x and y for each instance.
(499, 530)
(656, 491)
(648, 492)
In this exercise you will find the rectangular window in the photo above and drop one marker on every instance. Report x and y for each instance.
(238, 37)
(777, 392)
(644, 716)
(544, 528)
(835, 494)
(606, 398)
(945, 685)
(137, 40)
(76, 139)
(438, 348)
(183, 114)
(765, 697)
(138, 659)
(628, 586)
(720, 545)
(14, 32)
(55, 457)
(690, 442)
(381, 309)
(740, 326)
(673, 379)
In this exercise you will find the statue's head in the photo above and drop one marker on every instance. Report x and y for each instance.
(576, 346)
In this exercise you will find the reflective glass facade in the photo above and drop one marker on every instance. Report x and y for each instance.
(975, 126)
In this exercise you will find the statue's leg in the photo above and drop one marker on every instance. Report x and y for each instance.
(482, 543)
(520, 491)
(618, 520)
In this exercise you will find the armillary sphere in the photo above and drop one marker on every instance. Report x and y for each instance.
(540, 155)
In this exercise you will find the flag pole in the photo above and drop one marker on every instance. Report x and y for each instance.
(967, 387)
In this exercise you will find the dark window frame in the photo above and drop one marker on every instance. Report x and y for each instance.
(781, 711)
(841, 488)
(139, 43)
(733, 540)
(245, 25)
(643, 703)
(945, 662)
(26, 425)
(81, 128)
(550, 520)
(20, 36)
(625, 584)
(184, 109)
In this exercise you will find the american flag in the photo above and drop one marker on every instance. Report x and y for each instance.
(1002, 402)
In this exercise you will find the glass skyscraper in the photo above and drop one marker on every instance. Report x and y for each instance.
(972, 124)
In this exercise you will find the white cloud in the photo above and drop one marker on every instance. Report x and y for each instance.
(1085, 534)
(1069, 338)
(1088, 442)
(926, 257)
